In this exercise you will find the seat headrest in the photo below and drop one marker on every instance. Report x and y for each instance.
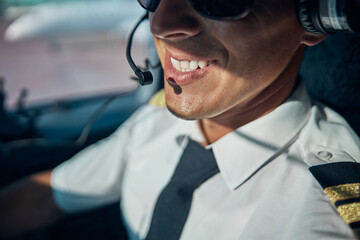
(331, 71)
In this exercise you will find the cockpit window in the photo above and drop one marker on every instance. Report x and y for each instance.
(52, 50)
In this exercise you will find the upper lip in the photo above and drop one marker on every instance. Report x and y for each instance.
(185, 56)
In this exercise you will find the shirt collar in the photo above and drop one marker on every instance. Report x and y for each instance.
(241, 153)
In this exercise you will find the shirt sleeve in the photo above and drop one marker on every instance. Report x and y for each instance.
(92, 178)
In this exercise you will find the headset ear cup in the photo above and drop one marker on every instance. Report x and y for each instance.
(304, 12)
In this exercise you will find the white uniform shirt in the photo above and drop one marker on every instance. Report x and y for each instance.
(264, 189)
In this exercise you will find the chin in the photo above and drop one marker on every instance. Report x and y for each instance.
(189, 114)
(188, 107)
(186, 115)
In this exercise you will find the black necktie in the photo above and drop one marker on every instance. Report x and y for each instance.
(172, 207)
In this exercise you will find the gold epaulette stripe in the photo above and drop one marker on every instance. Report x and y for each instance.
(158, 100)
(350, 212)
(343, 192)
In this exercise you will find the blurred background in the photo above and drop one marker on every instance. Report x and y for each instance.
(63, 49)
(65, 84)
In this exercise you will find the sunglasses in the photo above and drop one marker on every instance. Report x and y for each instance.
(213, 9)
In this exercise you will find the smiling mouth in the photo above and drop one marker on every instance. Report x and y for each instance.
(189, 65)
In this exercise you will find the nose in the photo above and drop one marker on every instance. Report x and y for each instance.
(175, 20)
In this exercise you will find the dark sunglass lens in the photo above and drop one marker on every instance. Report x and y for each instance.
(222, 9)
(149, 5)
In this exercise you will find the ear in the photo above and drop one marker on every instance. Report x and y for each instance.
(311, 39)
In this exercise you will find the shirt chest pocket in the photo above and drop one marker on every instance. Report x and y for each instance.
(135, 213)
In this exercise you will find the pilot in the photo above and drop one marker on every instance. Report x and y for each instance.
(224, 151)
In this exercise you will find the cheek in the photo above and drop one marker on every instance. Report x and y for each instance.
(160, 50)
(261, 53)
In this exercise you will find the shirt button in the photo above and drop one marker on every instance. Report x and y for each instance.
(324, 155)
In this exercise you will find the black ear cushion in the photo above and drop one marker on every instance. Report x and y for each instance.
(303, 12)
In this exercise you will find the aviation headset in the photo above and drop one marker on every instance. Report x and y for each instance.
(329, 16)
(315, 16)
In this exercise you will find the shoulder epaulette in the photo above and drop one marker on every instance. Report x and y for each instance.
(341, 183)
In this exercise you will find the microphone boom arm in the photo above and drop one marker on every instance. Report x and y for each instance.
(143, 77)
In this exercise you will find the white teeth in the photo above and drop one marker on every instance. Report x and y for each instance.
(187, 66)
(203, 64)
(193, 65)
(176, 64)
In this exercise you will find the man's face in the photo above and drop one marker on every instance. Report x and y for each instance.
(246, 61)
